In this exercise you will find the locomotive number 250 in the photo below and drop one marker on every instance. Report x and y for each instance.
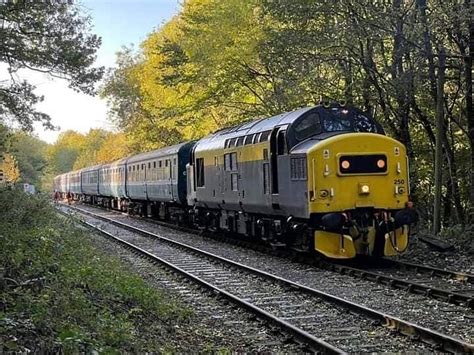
(399, 181)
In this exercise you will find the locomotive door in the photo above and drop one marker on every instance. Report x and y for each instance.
(277, 147)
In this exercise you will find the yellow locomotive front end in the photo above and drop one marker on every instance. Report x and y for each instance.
(358, 195)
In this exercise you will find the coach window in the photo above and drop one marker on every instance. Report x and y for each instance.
(232, 142)
(149, 165)
(240, 141)
(200, 172)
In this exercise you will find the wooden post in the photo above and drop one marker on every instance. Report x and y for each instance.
(439, 141)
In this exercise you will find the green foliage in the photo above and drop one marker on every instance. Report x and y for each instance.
(64, 152)
(59, 294)
(30, 153)
(218, 63)
(49, 38)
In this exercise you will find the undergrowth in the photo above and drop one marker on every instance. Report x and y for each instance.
(60, 294)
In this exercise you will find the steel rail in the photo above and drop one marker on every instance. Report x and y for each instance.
(455, 275)
(407, 285)
(432, 337)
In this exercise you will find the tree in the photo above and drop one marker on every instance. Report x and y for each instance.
(51, 38)
(114, 147)
(9, 168)
(63, 154)
(30, 153)
(91, 145)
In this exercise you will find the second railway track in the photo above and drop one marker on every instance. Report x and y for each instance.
(320, 320)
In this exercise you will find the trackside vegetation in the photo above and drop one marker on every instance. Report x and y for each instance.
(58, 293)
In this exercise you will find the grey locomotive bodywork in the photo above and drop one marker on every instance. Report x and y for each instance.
(246, 168)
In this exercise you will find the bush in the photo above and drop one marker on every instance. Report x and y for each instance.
(58, 293)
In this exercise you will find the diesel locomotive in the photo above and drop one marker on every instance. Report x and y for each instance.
(324, 179)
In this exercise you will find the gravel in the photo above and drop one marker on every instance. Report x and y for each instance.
(460, 258)
(215, 324)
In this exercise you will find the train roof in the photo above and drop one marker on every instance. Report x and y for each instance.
(174, 149)
(114, 163)
(89, 168)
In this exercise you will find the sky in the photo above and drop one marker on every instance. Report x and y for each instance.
(119, 23)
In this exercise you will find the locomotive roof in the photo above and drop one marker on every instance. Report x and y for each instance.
(216, 140)
(261, 125)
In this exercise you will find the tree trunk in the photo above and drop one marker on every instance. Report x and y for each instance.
(469, 108)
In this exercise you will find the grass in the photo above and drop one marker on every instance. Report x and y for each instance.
(60, 294)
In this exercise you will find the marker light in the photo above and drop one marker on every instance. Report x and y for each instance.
(381, 163)
(345, 164)
(364, 189)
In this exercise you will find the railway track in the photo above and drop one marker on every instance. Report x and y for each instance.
(445, 285)
(320, 320)
(440, 284)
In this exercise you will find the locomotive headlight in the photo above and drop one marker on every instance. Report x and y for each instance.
(345, 164)
(364, 189)
(381, 163)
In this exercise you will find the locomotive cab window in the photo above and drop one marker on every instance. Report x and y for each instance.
(307, 127)
(200, 172)
(281, 143)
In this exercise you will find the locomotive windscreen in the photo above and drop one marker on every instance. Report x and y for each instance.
(332, 119)
(343, 119)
